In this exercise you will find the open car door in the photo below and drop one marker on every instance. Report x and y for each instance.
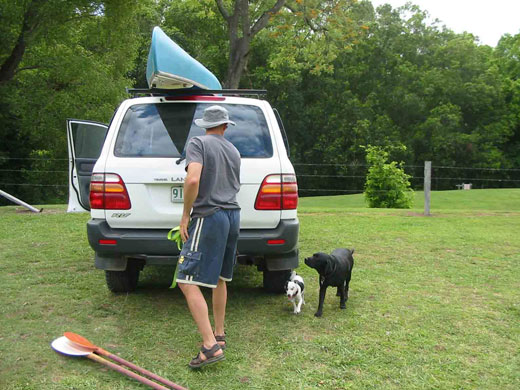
(85, 140)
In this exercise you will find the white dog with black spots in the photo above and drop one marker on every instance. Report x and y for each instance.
(294, 288)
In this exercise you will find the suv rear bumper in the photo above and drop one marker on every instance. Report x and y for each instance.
(153, 247)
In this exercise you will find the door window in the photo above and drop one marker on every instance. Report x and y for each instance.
(88, 139)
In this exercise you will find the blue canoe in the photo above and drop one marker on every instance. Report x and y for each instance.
(170, 67)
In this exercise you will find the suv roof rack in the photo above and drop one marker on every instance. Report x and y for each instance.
(191, 91)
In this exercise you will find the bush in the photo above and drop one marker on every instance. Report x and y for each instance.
(387, 186)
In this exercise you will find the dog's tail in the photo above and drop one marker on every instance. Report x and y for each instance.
(293, 274)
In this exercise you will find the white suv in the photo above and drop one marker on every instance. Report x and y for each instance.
(130, 176)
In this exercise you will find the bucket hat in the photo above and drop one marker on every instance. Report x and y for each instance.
(214, 116)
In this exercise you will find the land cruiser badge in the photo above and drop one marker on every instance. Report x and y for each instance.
(120, 215)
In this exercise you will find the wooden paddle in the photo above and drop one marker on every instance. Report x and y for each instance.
(66, 347)
(124, 371)
(83, 342)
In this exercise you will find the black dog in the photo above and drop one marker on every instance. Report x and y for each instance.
(335, 270)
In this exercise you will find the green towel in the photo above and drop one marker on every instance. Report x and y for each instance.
(175, 235)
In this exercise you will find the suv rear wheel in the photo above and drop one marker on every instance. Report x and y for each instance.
(274, 281)
(123, 281)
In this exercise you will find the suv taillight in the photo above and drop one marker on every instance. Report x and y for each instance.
(108, 191)
(278, 192)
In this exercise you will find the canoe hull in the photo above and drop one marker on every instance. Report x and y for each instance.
(170, 67)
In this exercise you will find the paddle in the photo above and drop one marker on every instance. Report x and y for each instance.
(86, 344)
(65, 347)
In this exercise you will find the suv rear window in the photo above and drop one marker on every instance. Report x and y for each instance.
(162, 130)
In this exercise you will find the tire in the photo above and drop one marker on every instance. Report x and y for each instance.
(123, 281)
(274, 281)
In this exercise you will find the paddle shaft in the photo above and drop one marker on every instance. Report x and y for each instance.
(126, 372)
(141, 370)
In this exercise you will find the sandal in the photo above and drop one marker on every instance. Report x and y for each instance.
(221, 339)
(211, 358)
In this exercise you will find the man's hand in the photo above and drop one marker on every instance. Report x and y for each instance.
(183, 227)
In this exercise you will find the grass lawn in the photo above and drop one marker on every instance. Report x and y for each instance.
(434, 304)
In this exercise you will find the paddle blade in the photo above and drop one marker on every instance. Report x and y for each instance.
(65, 347)
(79, 340)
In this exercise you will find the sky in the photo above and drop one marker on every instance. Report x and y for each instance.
(487, 19)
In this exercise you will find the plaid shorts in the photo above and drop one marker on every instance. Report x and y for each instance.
(210, 251)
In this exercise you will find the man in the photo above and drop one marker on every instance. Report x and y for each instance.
(210, 240)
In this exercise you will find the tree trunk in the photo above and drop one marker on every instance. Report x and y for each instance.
(239, 46)
(10, 65)
(238, 57)
(30, 23)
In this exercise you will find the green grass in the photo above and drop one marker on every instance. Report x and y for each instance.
(495, 200)
(434, 304)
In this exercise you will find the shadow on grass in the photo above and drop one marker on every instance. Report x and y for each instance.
(155, 281)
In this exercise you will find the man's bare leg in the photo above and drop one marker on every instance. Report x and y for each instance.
(199, 311)
(219, 307)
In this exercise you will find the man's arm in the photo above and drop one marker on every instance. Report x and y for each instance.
(191, 190)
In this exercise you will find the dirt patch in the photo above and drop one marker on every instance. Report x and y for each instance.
(42, 211)
(24, 211)
(433, 215)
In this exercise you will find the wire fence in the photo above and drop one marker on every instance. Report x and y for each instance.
(315, 179)
(36, 180)
(45, 180)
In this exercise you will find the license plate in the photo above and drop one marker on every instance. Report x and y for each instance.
(177, 194)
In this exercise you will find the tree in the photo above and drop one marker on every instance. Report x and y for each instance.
(242, 28)
(77, 68)
(387, 186)
(312, 21)
(31, 21)
(281, 38)
(507, 61)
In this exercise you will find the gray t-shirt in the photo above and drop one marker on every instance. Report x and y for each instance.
(220, 177)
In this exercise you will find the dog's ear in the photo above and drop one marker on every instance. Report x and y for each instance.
(352, 251)
(286, 285)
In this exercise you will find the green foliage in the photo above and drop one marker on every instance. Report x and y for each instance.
(75, 65)
(342, 74)
(406, 81)
(199, 29)
(507, 61)
(387, 185)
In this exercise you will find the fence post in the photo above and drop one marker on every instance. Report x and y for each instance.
(427, 186)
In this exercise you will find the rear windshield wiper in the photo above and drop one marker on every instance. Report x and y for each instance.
(180, 160)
